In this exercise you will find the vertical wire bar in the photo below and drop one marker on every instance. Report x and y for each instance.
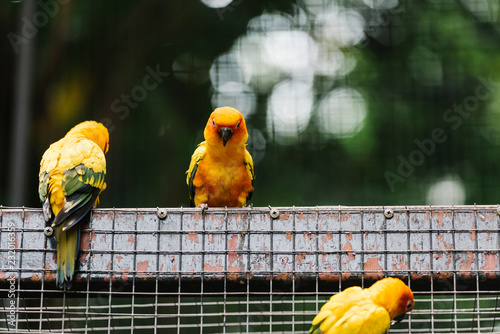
(385, 233)
(316, 309)
(63, 309)
(455, 321)
(271, 225)
(248, 299)
(293, 303)
(432, 283)
(476, 264)
(42, 291)
(249, 234)
(158, 235)
(431, 253)
(498, 253)
(340, 249)
(363, 271)
(432, 303)
(111, 273)
(226, 255)
(87, 294)
(20, 266)
(495, 313)
(294, 262)
(478, 303)
(316, 278)
(203, 237)
(317, 261)
(134, 275)
(1, 230)
(179, 300)
(408, 257)
(408, 261)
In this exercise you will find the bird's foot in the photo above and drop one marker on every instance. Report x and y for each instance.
(203, 207)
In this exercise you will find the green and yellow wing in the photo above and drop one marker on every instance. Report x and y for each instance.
(83, 167)
(197, 156)
(250, 167)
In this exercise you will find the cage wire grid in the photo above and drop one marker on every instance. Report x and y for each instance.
(243, 271)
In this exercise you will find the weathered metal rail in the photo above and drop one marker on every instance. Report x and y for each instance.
(324, 243)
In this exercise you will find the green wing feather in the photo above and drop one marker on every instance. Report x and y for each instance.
(197, 156)
(82, 182)
(250, 167)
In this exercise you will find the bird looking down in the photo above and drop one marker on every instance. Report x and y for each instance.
(221, 171)
(72, 173)
(365, 311)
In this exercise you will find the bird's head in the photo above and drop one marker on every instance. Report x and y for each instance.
(94, 131)
(395, 296)
(226, 125)
(404, 304)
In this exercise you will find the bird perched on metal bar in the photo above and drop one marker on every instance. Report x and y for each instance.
(365, 311)
(71, 178)
(221, 171)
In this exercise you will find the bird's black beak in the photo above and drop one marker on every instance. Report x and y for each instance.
(225, 134)
(398, 319)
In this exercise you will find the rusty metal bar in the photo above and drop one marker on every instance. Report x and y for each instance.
(324, 243)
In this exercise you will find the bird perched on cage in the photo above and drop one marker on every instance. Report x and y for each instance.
(71, 178)
(365, 311)
(221, 171)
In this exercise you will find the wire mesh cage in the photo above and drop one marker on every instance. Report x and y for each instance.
(250, 270)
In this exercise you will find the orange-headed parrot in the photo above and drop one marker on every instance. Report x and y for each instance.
(365, 311)
(71, 178)
(221, 171)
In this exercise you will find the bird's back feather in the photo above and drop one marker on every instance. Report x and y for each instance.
(72, 172)
(361, 311)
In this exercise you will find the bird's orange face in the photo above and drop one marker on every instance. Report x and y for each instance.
(405, 304)
(226, 126)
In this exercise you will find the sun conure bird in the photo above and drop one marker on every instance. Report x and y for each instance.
(365, 311)
(71, 178)
(221, 171)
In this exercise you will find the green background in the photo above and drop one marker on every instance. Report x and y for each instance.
(412, 63)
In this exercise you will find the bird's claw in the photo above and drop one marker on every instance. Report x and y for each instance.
(203, 207)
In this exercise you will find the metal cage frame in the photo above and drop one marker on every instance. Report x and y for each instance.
(250, 269)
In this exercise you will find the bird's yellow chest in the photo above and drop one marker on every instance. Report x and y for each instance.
(222, 182)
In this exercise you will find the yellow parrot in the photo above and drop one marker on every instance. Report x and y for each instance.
(365, 311)
(221, 171)
(71, 178)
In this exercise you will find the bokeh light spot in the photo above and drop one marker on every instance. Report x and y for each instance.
(289, 110)
(342, 113)
(290, 50)
(344, 27)
(236, 95)
(216, 3)
(449, 190)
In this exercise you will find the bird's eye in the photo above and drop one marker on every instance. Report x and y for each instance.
(213, 122)
(409, 305)
(238, 125)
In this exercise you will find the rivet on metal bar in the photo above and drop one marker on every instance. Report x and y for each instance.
(273, 213)
(162, 213)
(388, 213)
(48, 231)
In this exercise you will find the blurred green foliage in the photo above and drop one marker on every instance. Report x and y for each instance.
(416, 60)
